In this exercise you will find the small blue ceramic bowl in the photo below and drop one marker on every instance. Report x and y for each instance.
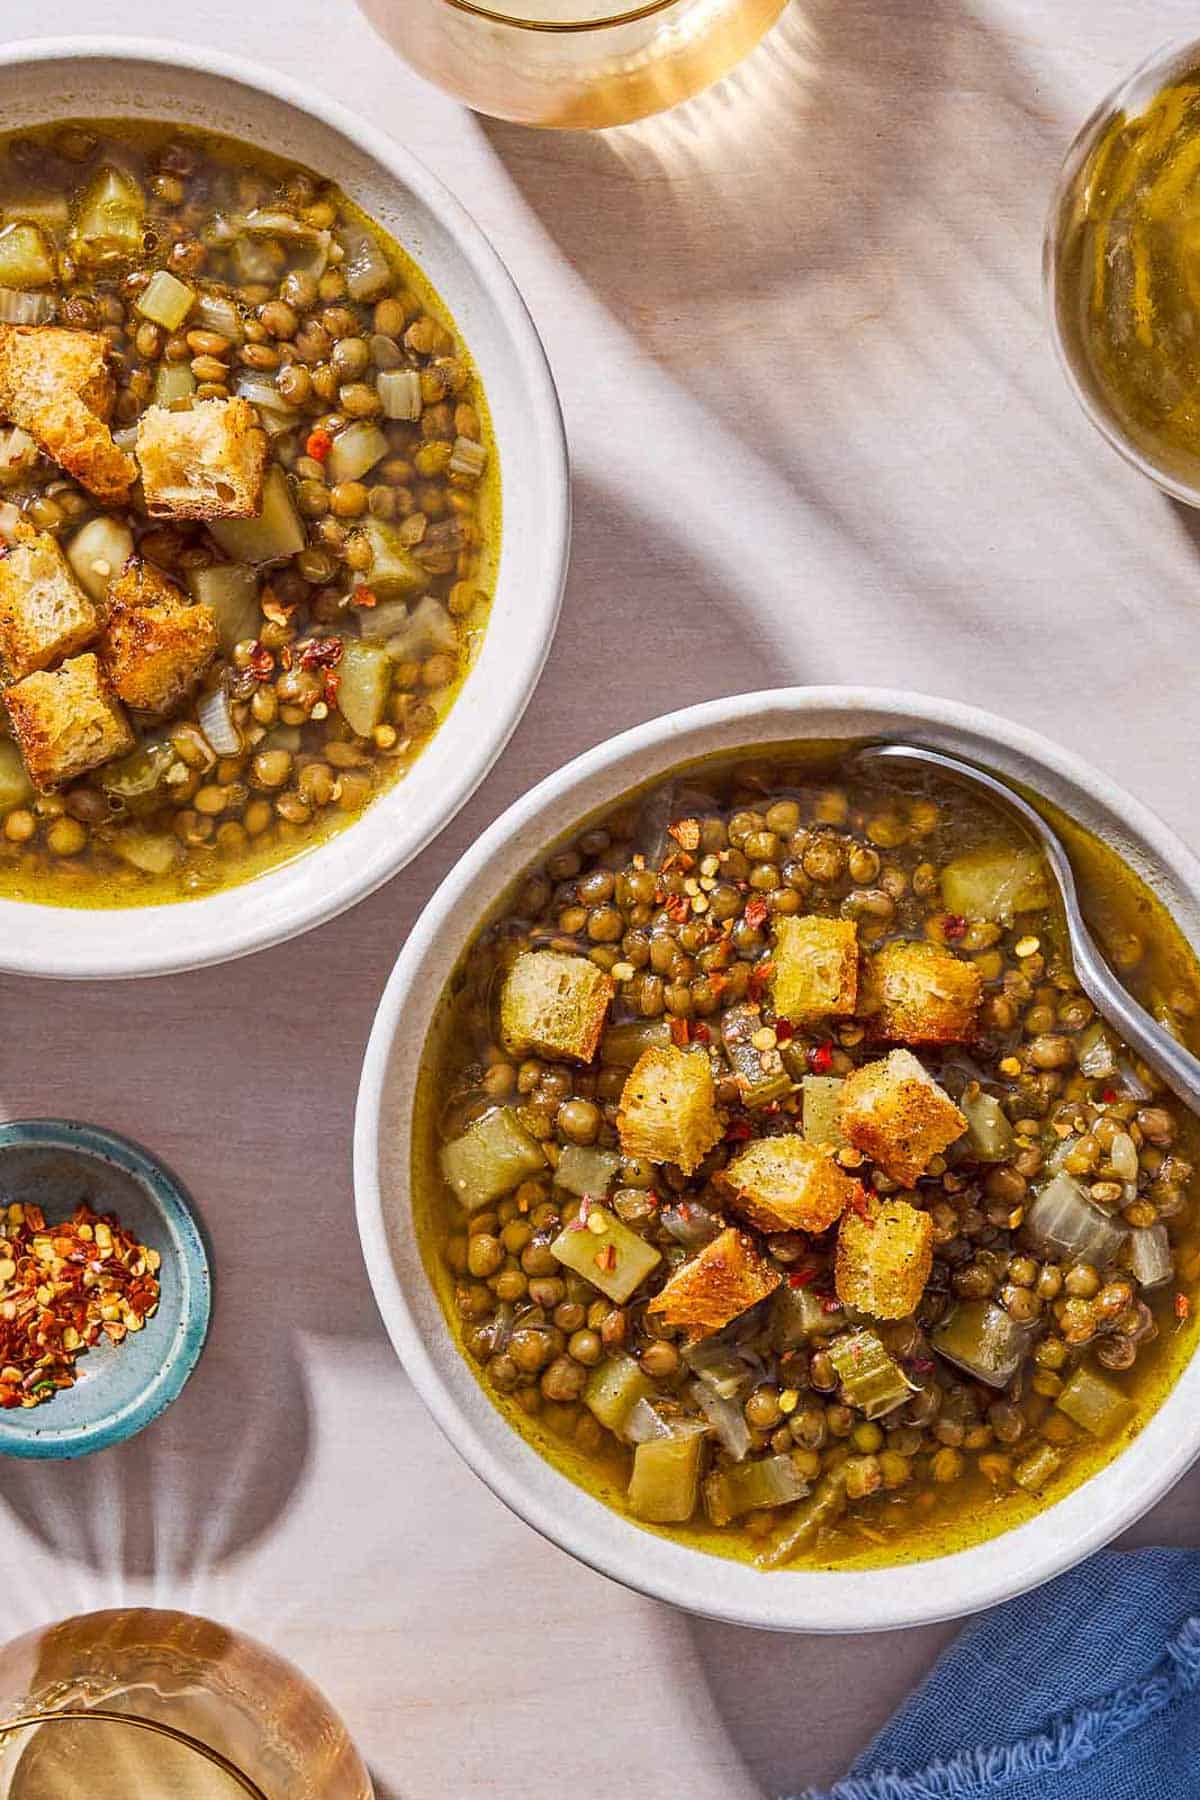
(120, 1388)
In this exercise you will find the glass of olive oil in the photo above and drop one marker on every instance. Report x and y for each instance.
(163, 1706)
(1122, 266)
(573, 63)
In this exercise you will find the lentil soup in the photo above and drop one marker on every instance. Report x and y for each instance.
(781, 1184)
(249, 512)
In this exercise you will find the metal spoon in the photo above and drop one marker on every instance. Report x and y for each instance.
(1108, 994)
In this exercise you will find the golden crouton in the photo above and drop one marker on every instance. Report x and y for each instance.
(895, 1113)
(668, 1111)
(816, 968)
(66, 721)
(554, 1003)
(918, 993)
(884, 1256)
(156, 642)
(788, 1184)
(208, 463)
(44, 613)
(724, 1279)
(57, 386)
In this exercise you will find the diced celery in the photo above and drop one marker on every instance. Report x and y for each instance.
(980, 1337)
(759, 1086)
(427, 627)
(822, 1095)
(1097, 1052)
(771, 1481)
(15, 785)
(1151, 1262)
(364, 682)
(826, 1503)
(153, 852)
(1093, 1403)
(1063, 1219)
(27, 258)
(614, 1388)
(622, 1044)
(989, 1134)
(20, 307)
(165, 300)
(1038, 1468)
(871, 1380)
(108, 226)
(231, 589)
(18, 454)
(173, 383)
(606, 1253)
(493, 1156)
(798, 1314)
(469, 458)
(273, 536)
(98, 552)
(137, 779)
(665, 1483)
(356, 449)
(582, 1169)
(394, 572)
(995, 883)
(399, 392)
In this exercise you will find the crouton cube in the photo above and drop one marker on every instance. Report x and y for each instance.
(918, 993)
(884, 1258)
(208, 463)
(555, 1004)
(788, 1184)
(724, 1279)
(895, 1113)
(668, 1111)
(66, 721)
(56, 385)
(156, 642)
(816, 968)
(44, 613)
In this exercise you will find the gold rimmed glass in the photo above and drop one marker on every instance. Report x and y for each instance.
(573, 63)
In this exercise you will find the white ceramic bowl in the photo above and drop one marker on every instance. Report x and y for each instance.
(851, 1600)
(118, 78)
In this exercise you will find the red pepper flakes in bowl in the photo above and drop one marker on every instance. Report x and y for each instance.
(61, 1288)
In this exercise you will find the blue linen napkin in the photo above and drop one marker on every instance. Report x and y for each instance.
(1085, 1689)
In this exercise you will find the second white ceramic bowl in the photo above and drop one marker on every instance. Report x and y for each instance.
(112, 78)
(800, 1599)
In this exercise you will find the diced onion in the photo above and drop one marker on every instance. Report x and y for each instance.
(217, 312)
(216, 722)
(399, 393)
(366, 268)
(428, 627)
(18, 453)
(725, 1417)
(1150, 1260)
(1064, 1220)
(98, 551)
(468, 458)
(690, 1224)
(356, 449)
(644, 1424)
(18, 308)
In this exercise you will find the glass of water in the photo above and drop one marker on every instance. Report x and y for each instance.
(573, 63)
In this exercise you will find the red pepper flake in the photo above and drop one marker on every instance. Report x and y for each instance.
(285, 657)
(802, 1278)
(738, 1130)
(679, 1032)
(364, 596)
(262, 663)
(322, 653)
(606, 1259)
(331, 682)
(274, 609)
(760, 975)
(859, 1203)
(318, 444)
(679, 909)
(831, 1305)
(756, 912)
(1183, 1307)
(921, 1365)
(1108, 1095)
(784, 1031)
(686, 833)
(820, 1057)
(579, 1222)
(954, 926)
(700, 1032)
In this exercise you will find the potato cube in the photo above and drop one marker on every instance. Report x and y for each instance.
(918, 993)
(44, 613)
(668, 1111)
(66, 721)
(788, 1184)
(491, 1157)
(816, 968)
(884, 1258)
(895, 1113)
(665, 1483)
(56, 384)
(207, 463)
(996, 882)
(724, 1279)
(602, 1249)
(156, 642)
(554, 1003)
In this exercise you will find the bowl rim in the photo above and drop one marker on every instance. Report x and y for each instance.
(51, 1443)
(897, 1595)
(200, 942)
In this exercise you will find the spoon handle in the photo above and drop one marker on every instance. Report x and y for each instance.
(1172, 1061)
